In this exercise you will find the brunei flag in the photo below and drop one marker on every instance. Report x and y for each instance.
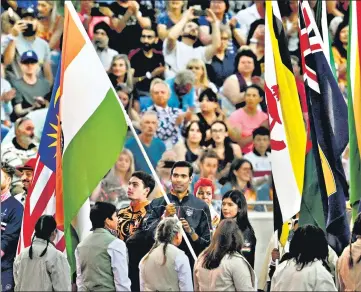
(329, 131)
(354, 105)
(288, 133)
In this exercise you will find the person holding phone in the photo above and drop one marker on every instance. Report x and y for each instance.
(221, 10)
(24, 38)
(32, 92)
(177, 53)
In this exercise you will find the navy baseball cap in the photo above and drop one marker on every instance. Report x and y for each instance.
(29, 57)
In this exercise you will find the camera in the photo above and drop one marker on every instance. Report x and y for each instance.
(200, 12)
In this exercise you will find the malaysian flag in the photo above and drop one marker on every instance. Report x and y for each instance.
(329, 130)
(42, 192)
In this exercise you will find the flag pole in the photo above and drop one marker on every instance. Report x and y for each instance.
(129, 123)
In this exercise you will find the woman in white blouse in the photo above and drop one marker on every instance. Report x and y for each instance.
(305, 267)
(165, 267)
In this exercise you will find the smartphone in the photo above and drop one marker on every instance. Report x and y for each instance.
(198, 11)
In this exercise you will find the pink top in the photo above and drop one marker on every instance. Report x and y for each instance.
(246, 124)
(93, 22)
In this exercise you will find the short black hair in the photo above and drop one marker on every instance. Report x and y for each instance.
(100, 212)
(8, 169)
(255, 86)
(147, 179)
(262, 131)
(152, 27)
(211, 95)
(182, 164)
(248, 53)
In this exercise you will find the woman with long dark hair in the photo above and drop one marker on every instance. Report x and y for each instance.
(222, 267)
(165, 267)
(348, 269)
(41, 267)
(191, 147)
(305, 267)
(223, 146)
(234, 206)
(210, 113)
(240, 178)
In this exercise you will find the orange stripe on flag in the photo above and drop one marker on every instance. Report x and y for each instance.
(72, 46)
(59, 213)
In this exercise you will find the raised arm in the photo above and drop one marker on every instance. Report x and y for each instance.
(176, 30)
(216, 36)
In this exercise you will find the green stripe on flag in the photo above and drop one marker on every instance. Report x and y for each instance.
(354, 154)
(89, 156)
(311, 206)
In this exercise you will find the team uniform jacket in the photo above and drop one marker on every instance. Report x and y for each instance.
(194, 210)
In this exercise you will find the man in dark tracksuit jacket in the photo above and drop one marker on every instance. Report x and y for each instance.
(11, 218)
(193, 212)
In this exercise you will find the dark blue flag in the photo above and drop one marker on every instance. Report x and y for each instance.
(329, 129)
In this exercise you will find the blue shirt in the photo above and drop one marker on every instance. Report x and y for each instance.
(187, 100)
(221, 69)
(163, 18)
(232, 44)
(11, 217)
(154, 152)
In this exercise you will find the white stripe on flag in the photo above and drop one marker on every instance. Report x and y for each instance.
(90, 91)
(288, 193)
(39, 187)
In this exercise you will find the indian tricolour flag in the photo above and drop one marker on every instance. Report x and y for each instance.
(92, 121)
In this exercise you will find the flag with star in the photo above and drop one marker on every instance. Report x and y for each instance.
(41, 198)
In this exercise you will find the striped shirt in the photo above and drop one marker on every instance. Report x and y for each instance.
(15, 155)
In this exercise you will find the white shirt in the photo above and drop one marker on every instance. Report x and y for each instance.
(246, 17)
(179, 57)
(6, 107)
(106, 56)
(259, 163)
(313, 277)
(182, 267)
(117, 251)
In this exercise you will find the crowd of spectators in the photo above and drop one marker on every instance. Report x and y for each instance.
(190, 75)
